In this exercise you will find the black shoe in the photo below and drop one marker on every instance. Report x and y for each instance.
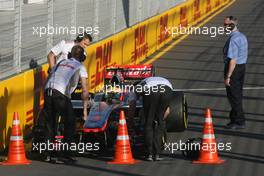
(158, 158)
(240, 126)
(58, 160)
(233, 125)
(47, 158)
(230, 125)
(65, 160)
(71, 159)
(50, 157)
(54, 160)
(149, 158)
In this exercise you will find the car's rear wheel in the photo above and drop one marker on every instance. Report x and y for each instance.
(177, 120)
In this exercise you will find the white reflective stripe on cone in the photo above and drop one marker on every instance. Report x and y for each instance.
(15, 138)
(208, 120)
(16, 122)
(124, 137)
(122, 122)
(208, 136)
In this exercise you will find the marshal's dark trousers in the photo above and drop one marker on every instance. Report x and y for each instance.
(235, 93)
(155, 105)
(56, 104)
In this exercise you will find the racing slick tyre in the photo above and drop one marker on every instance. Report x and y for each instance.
(177, 120)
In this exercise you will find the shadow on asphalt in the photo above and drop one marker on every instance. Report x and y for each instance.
(227, 132)
(254, 159)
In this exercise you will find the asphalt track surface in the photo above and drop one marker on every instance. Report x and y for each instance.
(196, 63)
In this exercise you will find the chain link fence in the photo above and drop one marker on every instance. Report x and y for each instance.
(29, 28)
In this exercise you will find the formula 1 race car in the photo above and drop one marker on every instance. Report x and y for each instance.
(102, 122)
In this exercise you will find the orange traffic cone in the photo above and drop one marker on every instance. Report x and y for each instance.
(16, 154)
(208, 153)
(123, 154)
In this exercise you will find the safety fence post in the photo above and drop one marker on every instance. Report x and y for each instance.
(50, 23)
(17, 36)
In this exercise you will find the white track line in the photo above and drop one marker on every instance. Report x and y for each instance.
(219, 89)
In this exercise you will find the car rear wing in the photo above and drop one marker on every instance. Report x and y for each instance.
(129, 72)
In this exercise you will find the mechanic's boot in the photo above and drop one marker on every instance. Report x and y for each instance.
(47, 158)
(149, 158)
(50, 157)
(57, 160)
(235, 126)
(68, 157)
(158, 158)
(66, 160)
(230, 125)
